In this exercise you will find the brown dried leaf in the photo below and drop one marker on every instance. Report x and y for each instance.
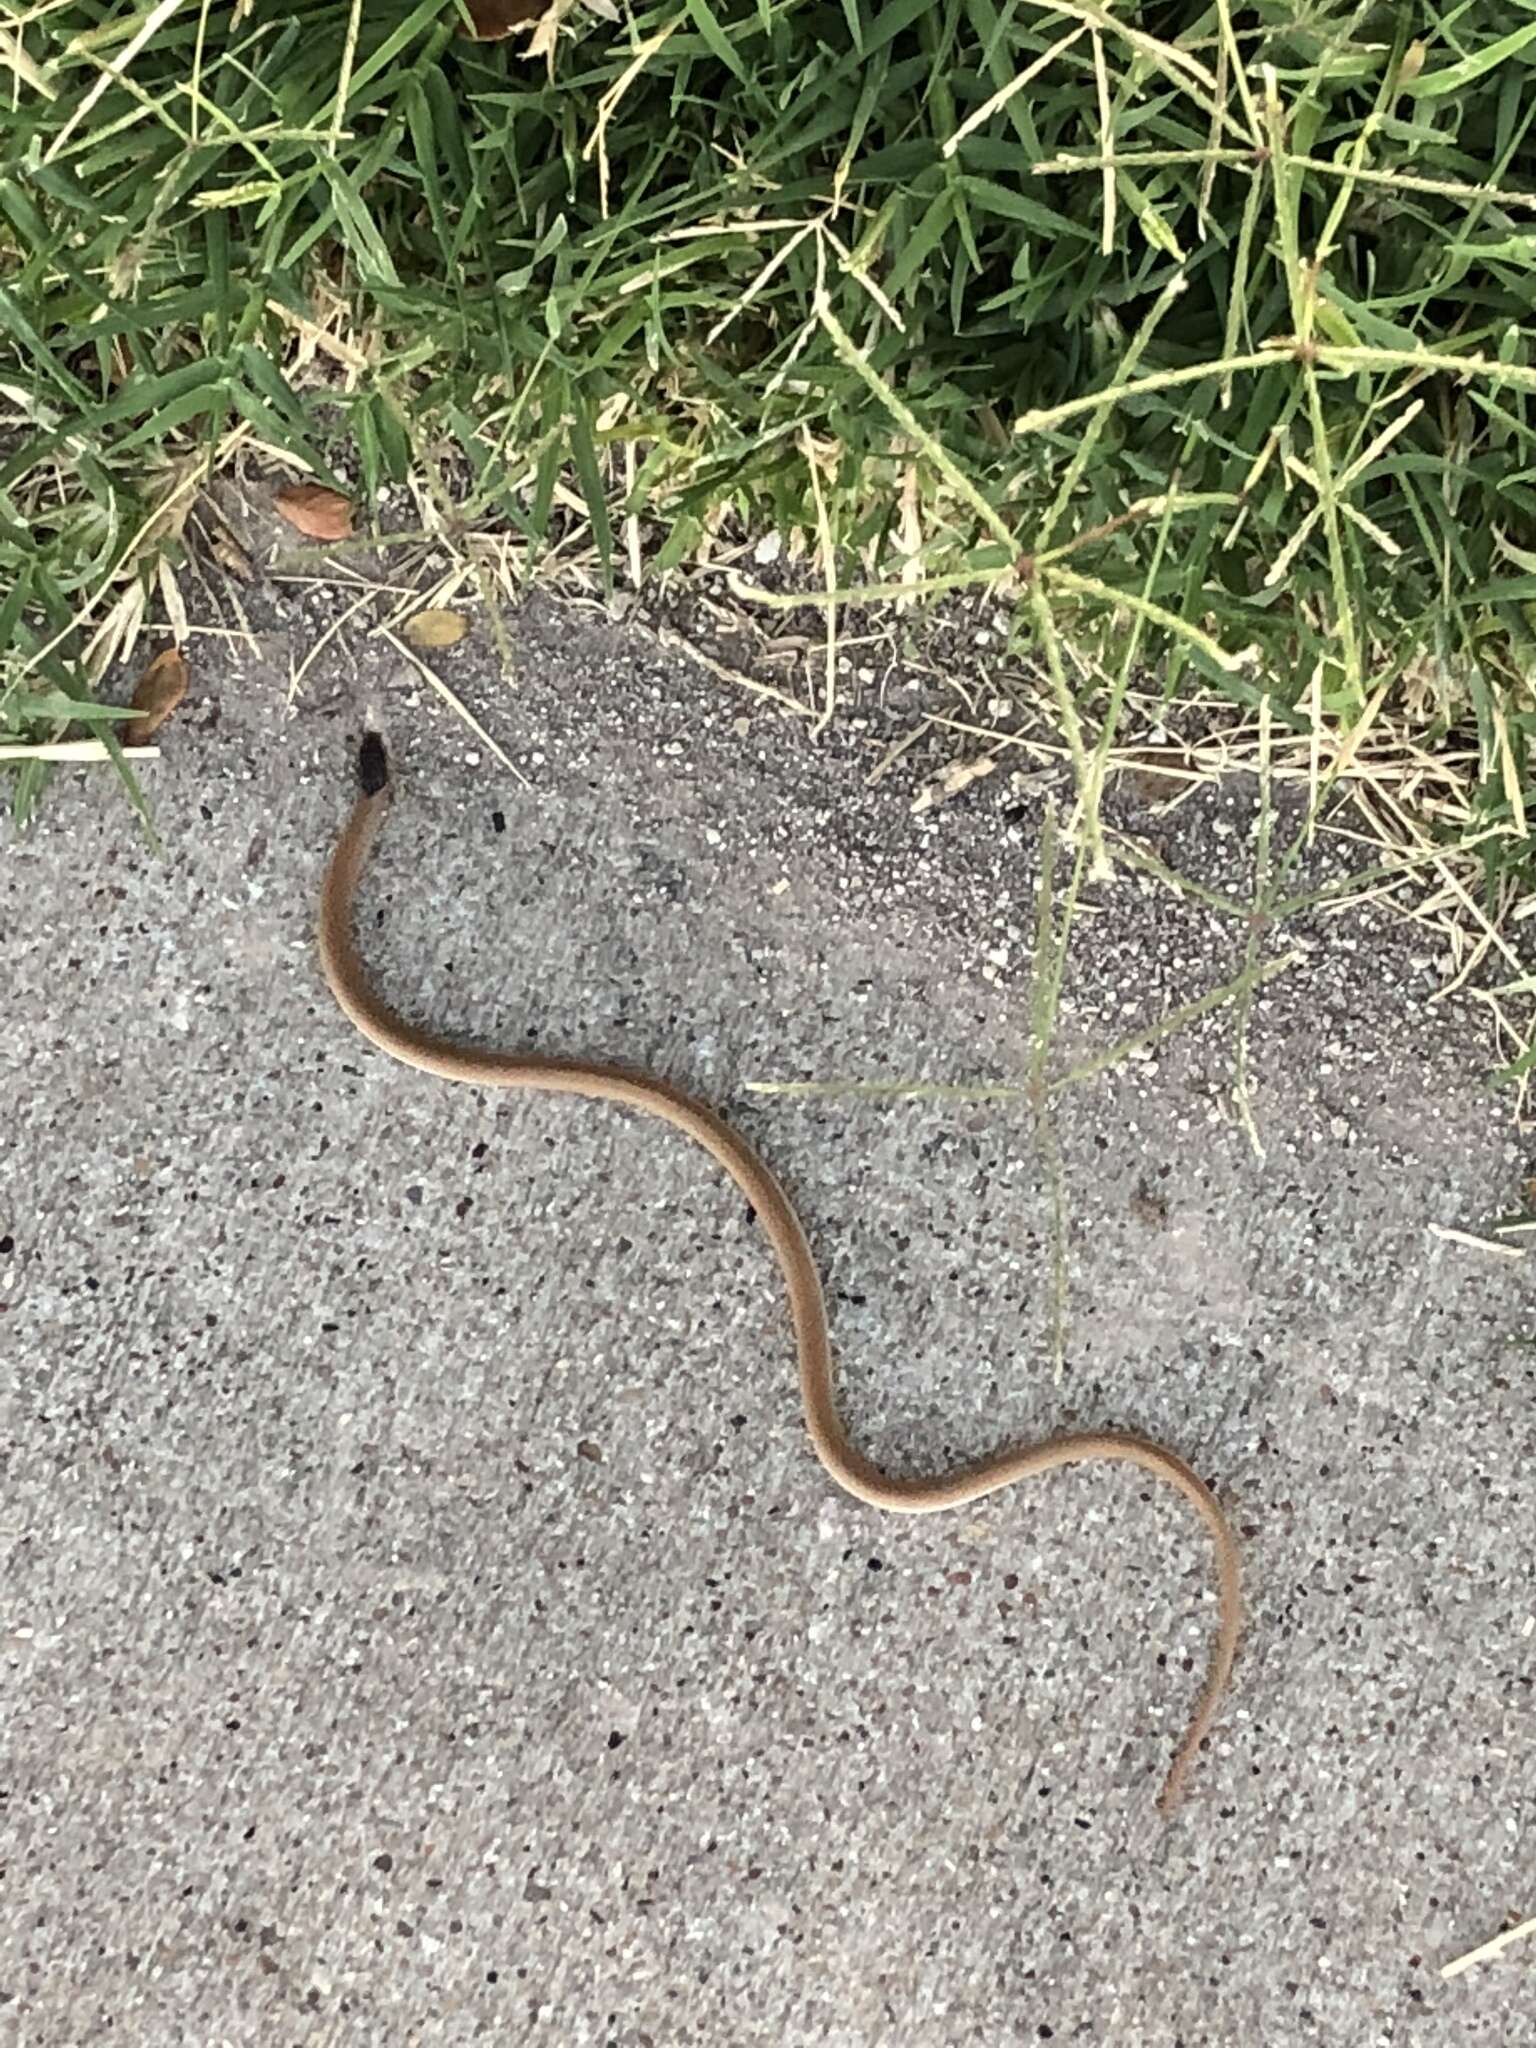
(436, 629)
(318, 513)
(157, 693)
(494, 19)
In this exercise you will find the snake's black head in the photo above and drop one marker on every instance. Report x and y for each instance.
(372, 765)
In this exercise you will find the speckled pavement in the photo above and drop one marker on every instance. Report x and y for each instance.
(424, 1620)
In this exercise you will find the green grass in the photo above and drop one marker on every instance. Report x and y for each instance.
(1210, 344)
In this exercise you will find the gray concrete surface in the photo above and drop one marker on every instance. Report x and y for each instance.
(424, 1620)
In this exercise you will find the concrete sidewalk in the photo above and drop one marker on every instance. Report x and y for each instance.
(425, 1620)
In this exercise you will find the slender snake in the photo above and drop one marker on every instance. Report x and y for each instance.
(349, 983)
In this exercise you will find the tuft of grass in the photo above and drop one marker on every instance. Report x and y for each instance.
(1199, 329)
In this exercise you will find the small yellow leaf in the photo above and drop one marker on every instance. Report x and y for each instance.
(319, 513)
(436, 629)
(158, 691)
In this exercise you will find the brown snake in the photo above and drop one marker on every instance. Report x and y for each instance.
(852, 1471)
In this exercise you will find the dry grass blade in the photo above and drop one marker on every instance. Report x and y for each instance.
(13, 54)
(1489, 1950)
(950, 781)
(457, 706)
(79, 752)
(1473, 1242)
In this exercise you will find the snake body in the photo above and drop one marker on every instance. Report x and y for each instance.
(851, 1470)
